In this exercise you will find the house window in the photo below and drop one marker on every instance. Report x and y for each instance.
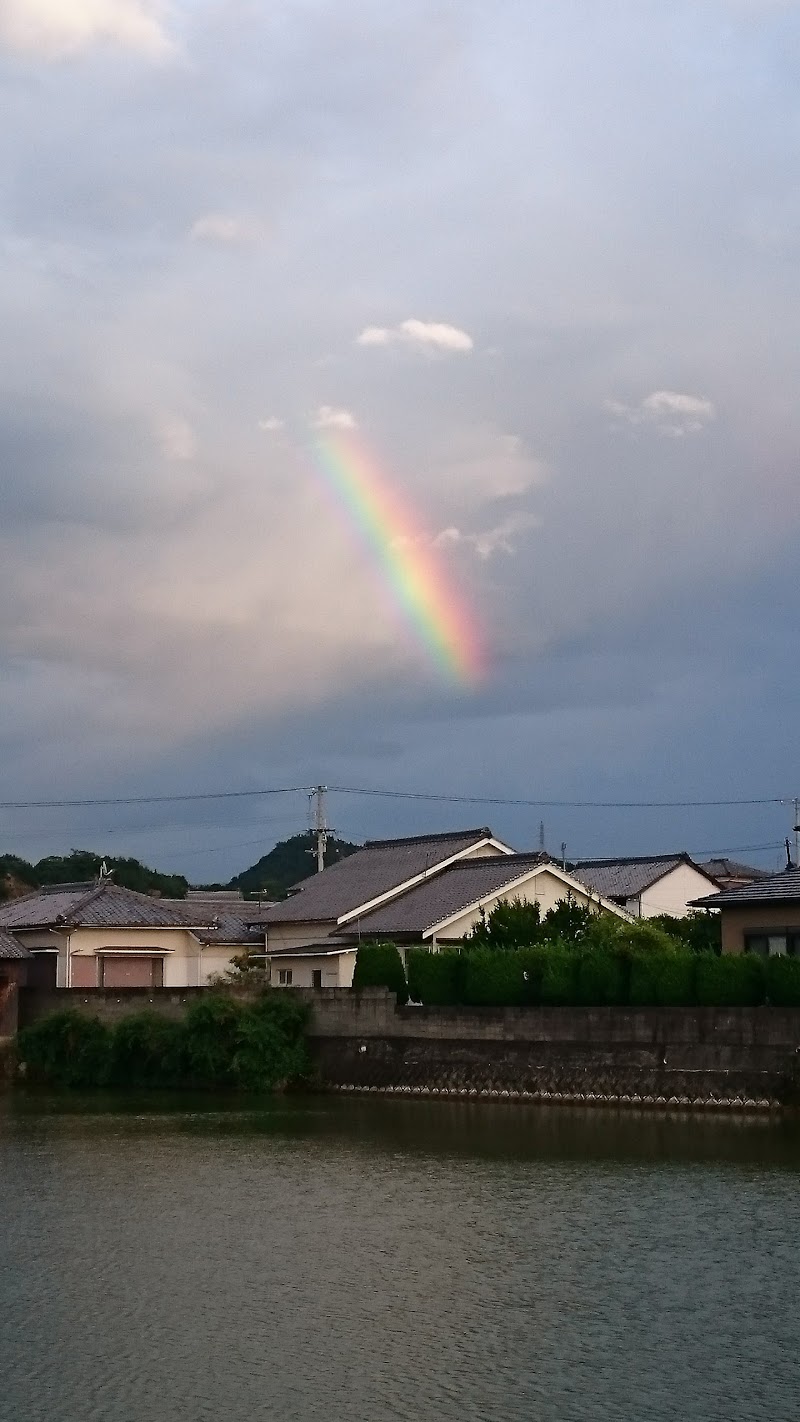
(786, 942)
(285, 977)
(316, 978)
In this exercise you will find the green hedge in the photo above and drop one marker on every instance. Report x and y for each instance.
(630, 975)
(249, 1046)
(380, 965)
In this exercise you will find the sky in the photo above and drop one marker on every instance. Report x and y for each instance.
(528, 275)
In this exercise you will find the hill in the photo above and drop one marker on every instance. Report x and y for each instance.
(17, 876)
(287, 863)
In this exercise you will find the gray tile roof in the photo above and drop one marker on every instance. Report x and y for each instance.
(10, 948)
(731, 869)
(378, 868)
(451, 892)
(778, 888)
(627, 878)
(103, 905)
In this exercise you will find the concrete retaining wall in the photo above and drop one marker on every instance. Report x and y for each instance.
(363, 1041)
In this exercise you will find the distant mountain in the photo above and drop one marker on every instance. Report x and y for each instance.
(291, 860)
(18, 876)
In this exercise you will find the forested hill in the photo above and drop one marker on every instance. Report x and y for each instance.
(291, 860)
(17, 876)
(288, 862)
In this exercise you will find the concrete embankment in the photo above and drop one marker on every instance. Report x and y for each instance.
(699, 1056)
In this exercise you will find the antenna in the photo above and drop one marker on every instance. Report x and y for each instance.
(320, 829)
(541, 836)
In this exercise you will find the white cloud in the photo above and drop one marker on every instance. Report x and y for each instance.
(430, 335)
(271, 424)
(177, 438)
(668, 411)
(226, 229)
(328, 417)
(57, 29)
(491, 540)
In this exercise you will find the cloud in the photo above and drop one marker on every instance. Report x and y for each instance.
(58, 29)
(328, 417)
(667, 411)
(225, 229)
(426, 335)
(486, 543)
(177, 438)
(271, 424)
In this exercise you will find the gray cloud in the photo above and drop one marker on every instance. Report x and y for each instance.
(209, 246)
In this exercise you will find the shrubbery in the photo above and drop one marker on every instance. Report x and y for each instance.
(251, 1046)
(380, 965)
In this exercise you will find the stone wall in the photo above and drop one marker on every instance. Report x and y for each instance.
(364, 1042)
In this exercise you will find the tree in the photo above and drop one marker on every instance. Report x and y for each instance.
(511, 924)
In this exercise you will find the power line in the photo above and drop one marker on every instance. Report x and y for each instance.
(557, 804)
(392, 795)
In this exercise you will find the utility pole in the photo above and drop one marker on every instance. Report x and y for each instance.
(797, 833)
(541, 836)
(320, 828)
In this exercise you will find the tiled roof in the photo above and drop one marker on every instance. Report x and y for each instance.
(627, 878)
(103, 905)
(730, 869)
(380, 867)
(10, 948)
(778, 888)
(451, 892)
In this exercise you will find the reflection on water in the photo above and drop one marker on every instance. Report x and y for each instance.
(167, 1259)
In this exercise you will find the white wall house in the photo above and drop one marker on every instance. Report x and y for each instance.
(647, 887)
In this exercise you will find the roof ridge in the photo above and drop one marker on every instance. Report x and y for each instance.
(630, 859)
(481, 830)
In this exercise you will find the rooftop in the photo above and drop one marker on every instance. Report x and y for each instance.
(777, 888)
(381, 867)
(628, 877)
(99, 905)
(452, 892)
(10, 948)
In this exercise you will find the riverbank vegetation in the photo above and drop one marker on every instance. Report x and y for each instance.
(253, 1046)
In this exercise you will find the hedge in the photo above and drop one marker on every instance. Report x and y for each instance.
(631, 975)
(380, 965)
(251, 1046)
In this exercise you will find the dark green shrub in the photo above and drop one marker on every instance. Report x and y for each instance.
(559, 984)
(147, 1050)
(700, 931)
(493, 978)
(210, 1040)
(662, 979)
(602, 978)
(66, 1049)
(512, 923)
(735, 979)
(380, 965)
(270, 1043)
(783, 981)
(437, 979)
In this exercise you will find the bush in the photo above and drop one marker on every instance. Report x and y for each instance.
(147, 1050)
(210, 1039)
(734, 980)
(602, 978)
(66, 1049)
(270, 1043)
(511, 923)
(380, 965)
(783, 981)
(701, 931)
(662, 979)
(493, 978)
(437, 979)
(559, 982)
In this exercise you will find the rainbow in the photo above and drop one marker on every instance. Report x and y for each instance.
(402, 552)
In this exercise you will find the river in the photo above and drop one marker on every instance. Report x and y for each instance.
(352, 1260)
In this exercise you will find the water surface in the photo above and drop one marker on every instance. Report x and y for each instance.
(360, 1260)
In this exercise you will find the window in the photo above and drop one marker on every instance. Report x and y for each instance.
(285, 977)
(784, 941)
(316, 978)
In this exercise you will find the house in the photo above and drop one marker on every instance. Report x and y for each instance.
(98, 934)
(729, 874)
(762, 917)
(437, 906)
(14, 960)
(324, 904)
(445, 909)
(647, 886)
